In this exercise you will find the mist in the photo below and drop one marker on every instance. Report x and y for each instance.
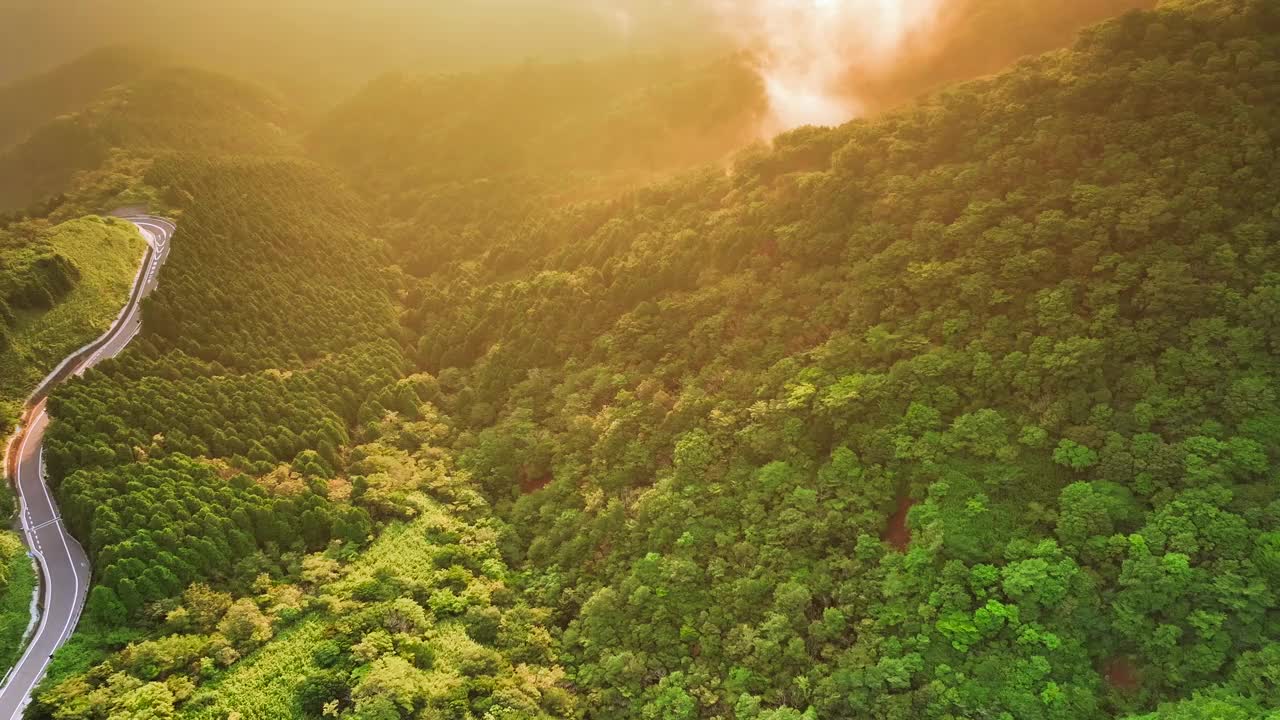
(805, 49)
(313, 47)
(819, 61)
(823, 62)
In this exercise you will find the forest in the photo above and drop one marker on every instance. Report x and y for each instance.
(1036, 307)
(552, 391)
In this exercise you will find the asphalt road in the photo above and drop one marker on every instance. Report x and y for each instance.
(64, 567)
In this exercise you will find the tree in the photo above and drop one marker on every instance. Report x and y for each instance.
(152, 701)
(105, 607)
(245, 625)
(391, 681)
(1075, 456)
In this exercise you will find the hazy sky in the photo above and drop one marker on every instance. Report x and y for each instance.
(364, 35)
(821, 60)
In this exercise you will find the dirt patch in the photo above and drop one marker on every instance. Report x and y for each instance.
(534, 484)
(1121, 674)
(897, 533)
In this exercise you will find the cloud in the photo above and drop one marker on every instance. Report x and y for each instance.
(806, 50)
(616, 16)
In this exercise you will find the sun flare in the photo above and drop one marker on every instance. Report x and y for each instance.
(806, 50)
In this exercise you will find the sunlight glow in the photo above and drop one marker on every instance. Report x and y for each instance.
(807, 49)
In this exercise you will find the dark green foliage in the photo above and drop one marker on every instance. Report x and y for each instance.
(320, 688)
(271, 279)
(155, 528)
(42, 283)
(32, 275)
(154, 407)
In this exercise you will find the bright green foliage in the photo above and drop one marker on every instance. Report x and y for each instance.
(17, 580)
(1074, 455)
(61, 287)
(421, 623)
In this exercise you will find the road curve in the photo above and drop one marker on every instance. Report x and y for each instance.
(64, 567)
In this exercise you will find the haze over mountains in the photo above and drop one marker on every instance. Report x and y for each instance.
(477, 388)
(282, 43)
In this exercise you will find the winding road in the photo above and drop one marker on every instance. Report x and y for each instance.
(64, 567)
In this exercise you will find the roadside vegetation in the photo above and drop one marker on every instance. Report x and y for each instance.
(60, 287)
(17, 582)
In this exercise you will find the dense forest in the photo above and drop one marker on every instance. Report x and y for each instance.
(1035, 307)
(549, 392)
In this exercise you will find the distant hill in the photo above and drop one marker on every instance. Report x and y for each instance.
(27, 104)
(144, 107)
(449, 157)
(979, 37)
(481, 149)
(319, 52)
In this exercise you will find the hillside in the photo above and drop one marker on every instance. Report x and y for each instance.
(35, 101)
(162, 109)
(17, 579)
(63, 277)
(228, 485)
(978, 37)
(1036, 306)
(965, 410)
(452, 162)
(60, 287)
(468, 154)
(274, 297)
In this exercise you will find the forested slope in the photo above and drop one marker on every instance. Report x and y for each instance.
(453, 163)
(225, 474)
(1040, 306)
(647, 456)
(61, 285)
(222, 505)
(244, 293)
(32, 102)
(163, 108)
(977, 37)
(455, 159)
